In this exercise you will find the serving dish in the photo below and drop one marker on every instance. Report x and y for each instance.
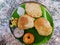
(39, 39)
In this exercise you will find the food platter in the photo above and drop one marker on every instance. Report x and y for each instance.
(21, 10)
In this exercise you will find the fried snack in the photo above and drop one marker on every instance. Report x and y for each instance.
(33, 9)
(43, 27)
(25, 22)
(28, 38)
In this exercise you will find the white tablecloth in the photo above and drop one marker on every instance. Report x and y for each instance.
(6, 8)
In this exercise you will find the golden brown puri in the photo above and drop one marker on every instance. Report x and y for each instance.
(43, 27)
(28, 38)
(33, 9)
(25, 22)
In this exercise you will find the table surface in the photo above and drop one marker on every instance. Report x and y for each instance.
(6, 8)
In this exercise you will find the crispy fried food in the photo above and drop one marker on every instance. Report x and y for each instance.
(25, 22)
(28, 38)
(33, 9)
(43, 27)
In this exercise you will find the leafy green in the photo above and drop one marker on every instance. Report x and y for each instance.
(22, 5)
(47, 15)
(14, 14)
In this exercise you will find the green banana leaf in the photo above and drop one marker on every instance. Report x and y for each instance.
(39, 40)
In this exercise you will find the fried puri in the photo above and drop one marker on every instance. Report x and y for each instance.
(33, 9)
(25, 22)
(43, 27)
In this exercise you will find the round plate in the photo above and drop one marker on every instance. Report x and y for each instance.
(38, 38)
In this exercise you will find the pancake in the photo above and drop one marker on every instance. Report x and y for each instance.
(43, 27)
(33, 9)
(25, 22)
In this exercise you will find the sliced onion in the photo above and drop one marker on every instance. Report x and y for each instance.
(18, 33)
(20, 11)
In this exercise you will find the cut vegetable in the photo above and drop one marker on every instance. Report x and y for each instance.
(20, 11)
(18, 33)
